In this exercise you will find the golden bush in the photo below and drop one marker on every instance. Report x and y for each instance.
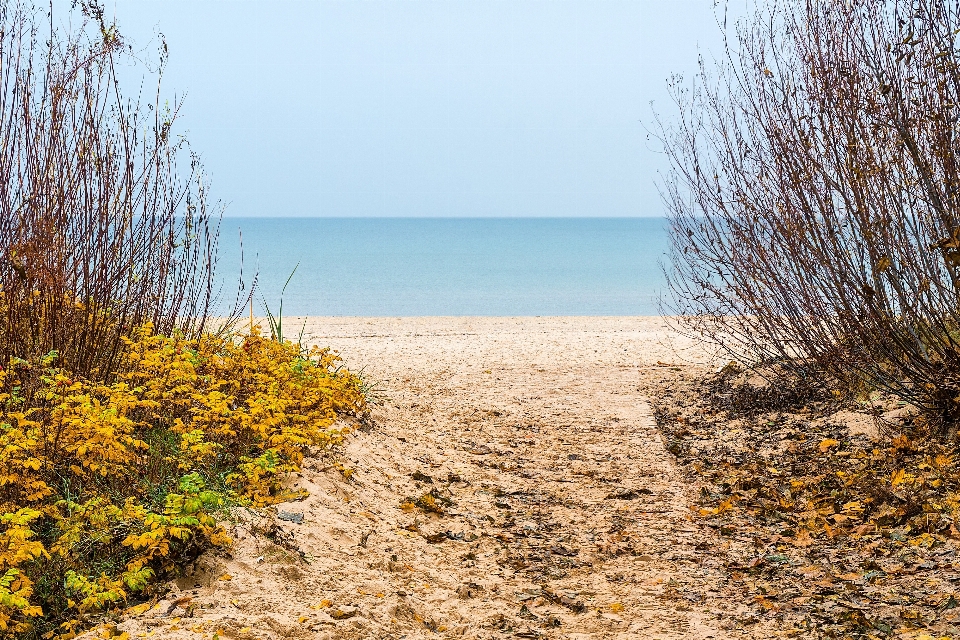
(105, 487)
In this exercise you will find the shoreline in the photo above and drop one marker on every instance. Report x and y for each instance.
(619, 341)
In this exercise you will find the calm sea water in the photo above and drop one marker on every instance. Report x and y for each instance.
(449, 266)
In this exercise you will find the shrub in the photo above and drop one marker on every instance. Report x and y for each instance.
(206, 422)
(101, 229)
(814, 201)
(125, 423)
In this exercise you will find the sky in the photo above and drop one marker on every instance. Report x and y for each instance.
(425, 107)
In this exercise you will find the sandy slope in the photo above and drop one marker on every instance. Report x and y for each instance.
(566, 517)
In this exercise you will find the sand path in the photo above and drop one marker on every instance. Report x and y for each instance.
(566, 518)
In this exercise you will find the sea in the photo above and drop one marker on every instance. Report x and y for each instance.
(445, 266)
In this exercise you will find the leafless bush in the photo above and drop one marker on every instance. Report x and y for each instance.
(814, 196)
(100, 231)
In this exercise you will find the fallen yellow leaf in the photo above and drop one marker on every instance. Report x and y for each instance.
(138, 609)
(898, 477)
(226, 577)
(853, 507)
(826, 443)
(616, 607)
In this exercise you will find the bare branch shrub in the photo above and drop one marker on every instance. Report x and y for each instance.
(814, 197)
(100, 232)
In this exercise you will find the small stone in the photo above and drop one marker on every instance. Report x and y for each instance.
(289, 516)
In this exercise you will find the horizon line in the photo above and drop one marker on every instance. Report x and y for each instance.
(414, 217)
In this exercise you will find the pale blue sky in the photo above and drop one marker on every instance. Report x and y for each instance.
(425, 108)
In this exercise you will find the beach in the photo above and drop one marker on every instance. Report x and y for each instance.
(554, 510)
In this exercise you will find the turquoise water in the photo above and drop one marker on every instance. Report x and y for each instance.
(449, 266)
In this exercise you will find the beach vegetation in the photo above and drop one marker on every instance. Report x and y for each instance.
(105, 489)
(814, 199)
(131, 419)
(815, 221)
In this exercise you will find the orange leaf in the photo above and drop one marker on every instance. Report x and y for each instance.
(826, 443)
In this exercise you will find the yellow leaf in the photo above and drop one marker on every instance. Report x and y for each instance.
(826, 443)
(853, 507)
(897, 478)
(225, 577)
(140, 608)
(616, 607)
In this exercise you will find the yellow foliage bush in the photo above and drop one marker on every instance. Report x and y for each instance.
(104, 487)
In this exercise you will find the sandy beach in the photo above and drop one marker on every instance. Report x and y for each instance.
(554, 510)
